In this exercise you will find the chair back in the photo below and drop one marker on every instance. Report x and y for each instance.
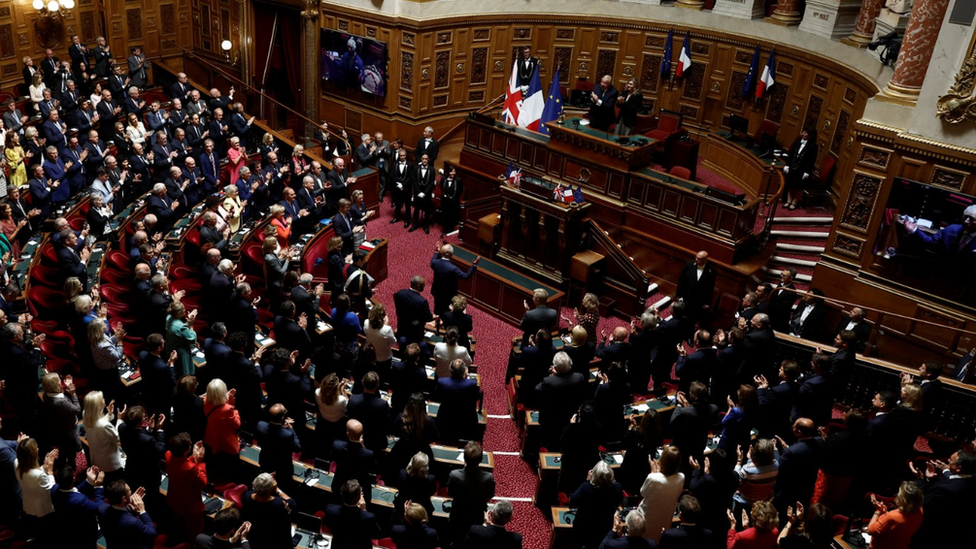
(669, 121)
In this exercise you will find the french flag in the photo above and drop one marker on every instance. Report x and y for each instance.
(684, 58)
(513, 174)
(533, 104)
(513, 99)
(768, 76)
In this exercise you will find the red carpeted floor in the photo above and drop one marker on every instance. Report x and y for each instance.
(410, 254)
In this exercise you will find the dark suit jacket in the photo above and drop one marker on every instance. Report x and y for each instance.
(278, 443)
(125, 528)
(862, 331)
(374, 413)
(343, 225)
(759, 347)
(69, 263)
(353, 461)
(423, 184)
(602, 115)
(305, 303)
(430, 149)
(471, 488)
(158, 381)
(562, 395)
(685, 537)
(77, 513)
(539, 318)
(947, 505)
(781, 307)
(163, 211)
(613, 541)
(492, 537)
(618, 351)
(216, 353)
(405, 179)
(290, 335)
(412, 312)
(697, 366)
(352, 528)
(445, 284)
(775, 404)
(457, 417)
(798, 467)
(690, 425)
(210, 171)
(415, 537)
(812, 327)
(143, 450)
(814, 400)
(697, 292)
(801, 162)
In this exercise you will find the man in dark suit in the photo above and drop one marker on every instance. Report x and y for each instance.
(366, 152)
(209, 167)
(759, 347)
(493, 535)
(133, 104)
(209, 234)
(643, 341)
(426, 145)
(108, 110)
(470, 488)
(118, 84)
(777, 401)
(540, 317)
(798, 465)
(948, 501)
(345, 227)
(244, 374)
(841, 362)
(799, 166)
(291, 386)
(615, 348)
(278, 442)
(242, 313)
(423, 190)
(814, 400)
(627, 535)
(860, 327)
(602, 100)
(446, 275)
(781, 301)
(688, 534)
(229, 532)
(807, 319)
(71, 262)
(457, 418)
(699, 365)
(239, 124)
(339, 179)
(696, 284)
(74, 508)
(216, 353)
(372, 411)
(561, 395)
(452, 189)
(307, 298)
(413, 312)
(158, 376)
(526, 68)
(928, 379)
(103, 57)
(291, 333)
(181, 88)
(22, 358)
(691, 421)
(137, 67)
(40, 190)
(352, 526)
(50, 66)
(142, 440)
(670, 333)
(402, 174)
(124, 520)
(160, 205)
(353, 461)
(220, 287)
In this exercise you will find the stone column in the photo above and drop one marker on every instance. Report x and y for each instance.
(689, 4)
(916, 50)
(864, 27)
(650, 2)
(834, 19)
(739, 9)
(787, 13)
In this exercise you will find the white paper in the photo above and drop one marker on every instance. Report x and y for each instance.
(460, 456)
(618, 459)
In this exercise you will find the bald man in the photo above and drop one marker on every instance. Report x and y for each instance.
(696, 284)
(602, 101)
(798, 465)
(278, 442)
(614, 348)
(446, 275)
(353, 460)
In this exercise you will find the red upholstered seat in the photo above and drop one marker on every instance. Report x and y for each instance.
(235, 494)
(45, 276)
(118, 260)
(44, 302)
(668, 126)
(767, 127)
(681, 171)
(49, 256)
(253, 259)
(113, 293)
(181, 272)
(114, 276)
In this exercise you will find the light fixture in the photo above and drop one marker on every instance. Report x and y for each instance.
(226, 46)
(52, 8)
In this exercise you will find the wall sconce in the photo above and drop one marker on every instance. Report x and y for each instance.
(226, 46)
(52, 8)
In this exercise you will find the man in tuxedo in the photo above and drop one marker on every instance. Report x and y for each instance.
(382, 160)
(423, 189)
(799, 166)
(696, 284)
(860, 327)
(427, 145)
(781, 301)
(459, 395)
(807, 318)
(103, 57)
(137, 68)
(602, 100)
(561, 395)
(124, 520)
(353, 460)
(446, 275)
(451, 192)
(181, 88)
(470, 488)
(493, 535)
(402, 175)
(539, 317)
(413, 312)
(352, 526)
(526, 68)
(628, 102)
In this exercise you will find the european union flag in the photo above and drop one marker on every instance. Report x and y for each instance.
(666, 62)
(751, 77)
(554, 105)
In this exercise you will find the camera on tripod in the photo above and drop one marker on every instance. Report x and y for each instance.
(890, 45)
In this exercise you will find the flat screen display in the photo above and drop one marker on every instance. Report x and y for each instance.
(353, 62)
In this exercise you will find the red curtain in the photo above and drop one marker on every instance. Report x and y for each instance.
(290, 33)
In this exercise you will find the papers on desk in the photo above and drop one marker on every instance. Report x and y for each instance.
(640, 408)
(584, 122)
(263, 340)
(460, 456)
(367, 245)
(128, 374)
(199, 354)
(311, 481)
(618, 458)
(429, 370)
(428, 335)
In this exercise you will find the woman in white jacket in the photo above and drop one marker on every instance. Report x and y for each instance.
(101, 430)
(661, 490)
(36, 482)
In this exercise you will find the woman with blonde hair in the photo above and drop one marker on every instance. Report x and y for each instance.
(660, 492)
(236, 158)
(220, 437)
(359, 213)
(16, 160)
(232, 208)
(266, 147)
(331, 397)
(281, 224)
(101, 430)
(36, 481)
(181, 337)
(414, 532)
(276, 263)
(299, 166)
(894, 529)
(107, 352)
(36, 89)
(416, 484)
(135, 130)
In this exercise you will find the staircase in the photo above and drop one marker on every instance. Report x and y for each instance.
(800, 239)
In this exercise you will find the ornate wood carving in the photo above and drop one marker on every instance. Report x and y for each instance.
(476, 96)
(848, 245)
(606, 62)
(654, 41)
(9, 69)
(777, 102)
(743, 57)
(650, 72)
(5, 11)
(133, 23)
(523, 33)
(343, 24)
(407, 39)
(7, 48)
(565, 34)
(440, 100)
(734, 99)
(406, 71)
(499, 66)
(820, 81)
(874, 158)
(88, 32)
(786, 69)
(482, 34)
(561, 58)
(860, 201)
(813, 111)
(444, 38)
(688, 111)
(949, 178)
(700, 48)
(850, 95)
(693, 81)
(371, 32)
(406, 103)
(843, 120)
(610, 37)
(479, 58)
(715, 86)
(441, 70)
(167, 14)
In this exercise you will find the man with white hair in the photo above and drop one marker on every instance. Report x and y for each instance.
(562, 394)
(133, 104)
(162, 207)
(210, 235)
(180, 89)
(339, 181)
(427, 145)
(366, 152)
(219, 290)
(955, 243)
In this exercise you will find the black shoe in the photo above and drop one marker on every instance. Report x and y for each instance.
(427, 230)
(406, 224)
(395, 220)
(412, 229)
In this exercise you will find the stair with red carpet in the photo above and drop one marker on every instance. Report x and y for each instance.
(800, 237)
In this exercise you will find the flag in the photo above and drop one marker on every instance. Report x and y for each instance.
(751, 77)
(666, 62)
(578, 195)
(684, 58)
(533, 104)
(554, 105)
(513, 174)
(768, 76)
(568, 195)
(563, 194)
(513, 98)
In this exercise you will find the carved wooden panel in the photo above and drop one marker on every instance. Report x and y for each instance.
(5, 11)
(813, 111)
(7, 48)
(441, 69)
(9, 70)
(948, 178)
(205, 20)
(88, 32)
(650, 72)
(609, 37)
(167, 14)
(840, 131)
(406, 71)
(133, 23)
(694, 80)
(444, 38)
(820, 81)
(873, 157)
(561, 59)
(743, 57)
(407, 39)
(440, 100)
(605, 63)
(850, 95)
(700, 48)
(848, 245)
(860, 201)
(477, 96)
(654, 41)
(479, 61)
(777, 102)
(688, 111)
(523, 33)
(565, 34)
(734, 100)
(785, 69)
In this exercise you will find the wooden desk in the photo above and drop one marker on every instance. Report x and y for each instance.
(759, 177)
(454, 456)
(601, 147)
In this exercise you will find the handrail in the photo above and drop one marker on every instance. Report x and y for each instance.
(247, 87)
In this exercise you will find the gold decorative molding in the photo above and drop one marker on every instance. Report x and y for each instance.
(959, 104)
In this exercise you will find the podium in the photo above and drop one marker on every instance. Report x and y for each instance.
(538, 233)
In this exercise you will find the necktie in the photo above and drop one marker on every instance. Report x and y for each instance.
(98, 149)
(964, 241)
(214, 164)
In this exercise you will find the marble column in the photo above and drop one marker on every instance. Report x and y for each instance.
(689, 4)
(739, 9)
(916, 50)
(864, 27)
(787, 12)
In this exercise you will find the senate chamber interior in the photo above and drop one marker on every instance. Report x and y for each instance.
(541, 274)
